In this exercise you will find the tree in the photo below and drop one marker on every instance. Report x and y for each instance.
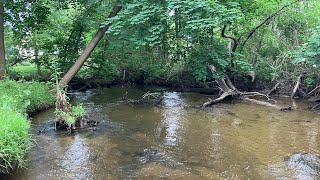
(2, 48)
(87, 51)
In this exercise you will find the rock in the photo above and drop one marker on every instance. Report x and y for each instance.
(305, 165)
(237, 122)
(149, 155)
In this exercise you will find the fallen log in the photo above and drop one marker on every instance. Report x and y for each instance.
(316, 89)
(296, 87)
(273, 89)
(229, 90)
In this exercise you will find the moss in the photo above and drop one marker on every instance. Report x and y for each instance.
(18, 98)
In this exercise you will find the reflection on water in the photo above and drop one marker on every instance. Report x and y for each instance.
(171, 121)
(174, 140)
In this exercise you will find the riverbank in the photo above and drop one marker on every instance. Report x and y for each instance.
(179, 81)
(18, 99)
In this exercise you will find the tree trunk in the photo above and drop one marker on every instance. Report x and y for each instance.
(87, 51)
(2, 49)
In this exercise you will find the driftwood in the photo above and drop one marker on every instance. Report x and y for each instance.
(316, 89)
(273, 89)
(296, 87)
(316, 106)
(229, 90)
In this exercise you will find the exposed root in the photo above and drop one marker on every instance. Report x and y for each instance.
(62, 105)
(62, 102)
(67, 117)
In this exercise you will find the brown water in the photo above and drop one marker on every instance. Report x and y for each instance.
(173, 141)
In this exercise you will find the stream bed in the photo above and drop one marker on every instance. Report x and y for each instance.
(175, 140)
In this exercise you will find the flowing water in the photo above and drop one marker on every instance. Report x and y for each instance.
(175, 140)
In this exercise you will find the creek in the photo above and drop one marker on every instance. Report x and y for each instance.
(232, 140)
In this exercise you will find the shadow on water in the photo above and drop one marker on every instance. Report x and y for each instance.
(173, 140)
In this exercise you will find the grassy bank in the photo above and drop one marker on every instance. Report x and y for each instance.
(18, 99)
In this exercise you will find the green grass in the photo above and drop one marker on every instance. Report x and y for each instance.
(29, 70)
(25, 96)
(14, 139)
(17, 99)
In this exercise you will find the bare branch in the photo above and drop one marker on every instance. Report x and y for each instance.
(223, 34)
(266, 21)
(312, 91)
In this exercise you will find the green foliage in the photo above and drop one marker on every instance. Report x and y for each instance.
(70, 117)
(28, 71)
(67, 117)
(149, 39)
(25, 96)
(78, 111)
(15, 140)
(308, 56)
(203, 55)
(309, 52)
(17, 98)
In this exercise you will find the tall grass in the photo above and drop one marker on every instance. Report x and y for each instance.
(14, 139)
(17, 99)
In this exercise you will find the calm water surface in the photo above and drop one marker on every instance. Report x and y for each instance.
(172, 141)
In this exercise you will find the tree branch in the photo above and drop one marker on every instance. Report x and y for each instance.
(266, 21)
(223, 34)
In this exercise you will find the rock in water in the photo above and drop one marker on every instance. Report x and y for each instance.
(305, 165)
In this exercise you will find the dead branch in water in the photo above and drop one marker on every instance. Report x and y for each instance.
(316, 106)
(273, 89)
(312, 91)
(229, 90)
(296, 87)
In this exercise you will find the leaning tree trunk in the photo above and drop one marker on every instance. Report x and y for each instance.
(87, 51)
(2, 49)
(62, 105)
